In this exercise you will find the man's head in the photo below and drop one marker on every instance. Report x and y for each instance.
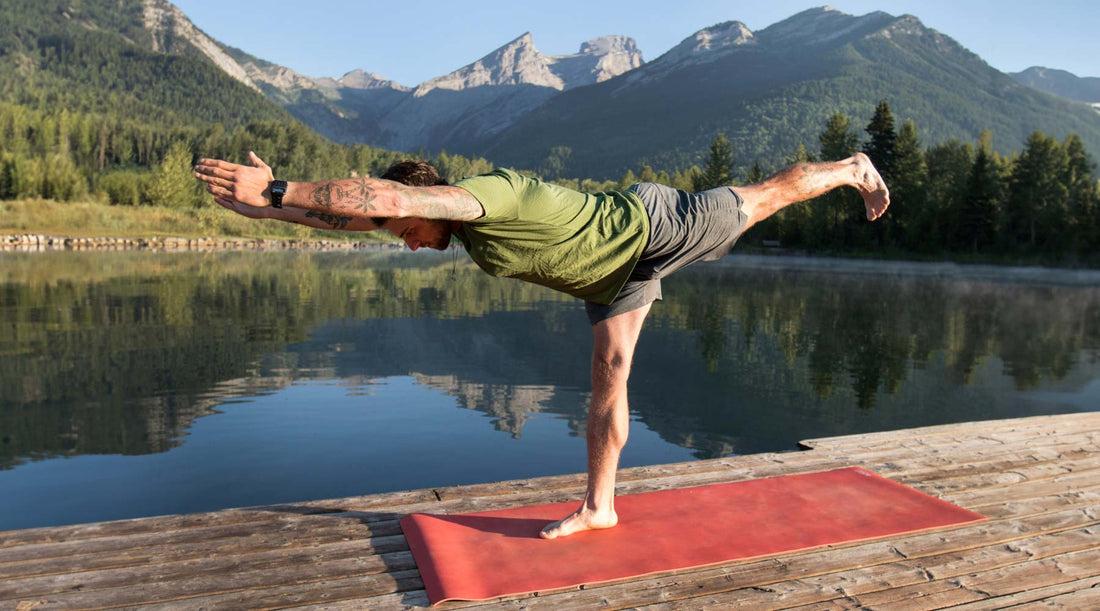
(417, 232)
(414, 173)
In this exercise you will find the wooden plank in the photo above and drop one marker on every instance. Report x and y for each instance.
(53, 534)
(1077, 594)
(1082, 471)
(915, 578)
(978, 446)
(300, 580)
(286, 596)
(284, 530)
(989, 584)
(162, 571)
(127, 558)
(1023, 490)
(1084, 421)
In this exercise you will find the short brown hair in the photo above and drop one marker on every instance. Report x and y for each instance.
(413, 173)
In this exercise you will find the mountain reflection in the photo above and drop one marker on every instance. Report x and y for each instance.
(120, 352)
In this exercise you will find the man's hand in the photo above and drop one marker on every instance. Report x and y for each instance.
(241, 184)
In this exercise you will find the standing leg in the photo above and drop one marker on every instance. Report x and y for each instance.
(608, 422)
(805, 181)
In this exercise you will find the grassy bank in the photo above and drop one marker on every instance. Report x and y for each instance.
(94, 219)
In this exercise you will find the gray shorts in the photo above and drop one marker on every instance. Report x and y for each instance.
(683, 228)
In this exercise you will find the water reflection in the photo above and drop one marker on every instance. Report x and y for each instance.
(119, 353)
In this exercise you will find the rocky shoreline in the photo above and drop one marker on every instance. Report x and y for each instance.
(37, 242)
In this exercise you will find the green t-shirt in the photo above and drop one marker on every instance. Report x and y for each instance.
(583, 244)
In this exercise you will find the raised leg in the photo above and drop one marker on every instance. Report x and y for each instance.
(805, 181)
(608, 422)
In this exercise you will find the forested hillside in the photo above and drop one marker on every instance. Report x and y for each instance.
(89, 110)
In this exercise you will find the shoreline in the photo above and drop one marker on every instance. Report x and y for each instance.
(39, 243)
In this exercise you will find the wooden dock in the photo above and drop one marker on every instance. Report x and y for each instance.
(1036, 479)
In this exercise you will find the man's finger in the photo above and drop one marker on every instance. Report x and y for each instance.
(202, 171)
(217, 191)
(217, 163)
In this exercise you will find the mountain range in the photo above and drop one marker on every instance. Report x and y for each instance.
(1061, 83)
(599, 111)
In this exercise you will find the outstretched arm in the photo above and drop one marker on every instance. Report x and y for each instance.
(301, 216)
(353, 198)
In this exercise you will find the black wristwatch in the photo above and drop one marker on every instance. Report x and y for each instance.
(278, 190)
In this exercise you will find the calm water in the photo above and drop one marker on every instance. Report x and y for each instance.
(136, 384)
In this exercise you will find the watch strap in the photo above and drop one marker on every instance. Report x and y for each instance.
(278, 190)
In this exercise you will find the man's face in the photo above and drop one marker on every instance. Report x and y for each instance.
(418, 233)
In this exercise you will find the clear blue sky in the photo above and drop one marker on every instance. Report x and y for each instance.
(413, 41)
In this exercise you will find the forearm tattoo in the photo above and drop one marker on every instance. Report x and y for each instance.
(449, 204)
(357, 193)
(337, 222)
(367, 197)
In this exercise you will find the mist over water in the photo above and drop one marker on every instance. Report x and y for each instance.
(137, 383)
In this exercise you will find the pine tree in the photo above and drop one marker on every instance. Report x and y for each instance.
(883, 141)
(755, 174)
(1083, 200)
(907, 189)
(948, 165)
(1036, 206)
(647, 175)
(978, 215)
(172, 184)
(831, 216)
(719, 168)
(839, 140)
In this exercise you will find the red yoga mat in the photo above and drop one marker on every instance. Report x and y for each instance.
(480, 556)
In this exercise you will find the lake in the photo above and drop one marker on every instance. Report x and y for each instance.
(139, 383)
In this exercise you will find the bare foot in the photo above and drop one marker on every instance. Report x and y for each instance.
(581, 520)
(876, 197)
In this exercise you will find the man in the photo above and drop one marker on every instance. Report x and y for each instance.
(610, 249)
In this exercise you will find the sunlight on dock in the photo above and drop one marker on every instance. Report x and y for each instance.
(1036, 479)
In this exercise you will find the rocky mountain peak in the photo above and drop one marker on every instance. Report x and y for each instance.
(359, 79)
(167, 23)
(597, 61)
(822, 25)
(516, 63)
(710, 42)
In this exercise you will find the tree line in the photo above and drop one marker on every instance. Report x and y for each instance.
(954, 198)
(64, 156)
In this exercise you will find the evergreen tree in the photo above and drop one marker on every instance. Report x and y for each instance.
(687, 179)
(948, 165)
(556, 161)
(719, 168)
(907, 189)
(755, 174)
(883, 141)
(1036, 211)
(627, 179)
(839, 140)
(976, 229)
(172, 184)
(831, 215)
(1083, 200)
